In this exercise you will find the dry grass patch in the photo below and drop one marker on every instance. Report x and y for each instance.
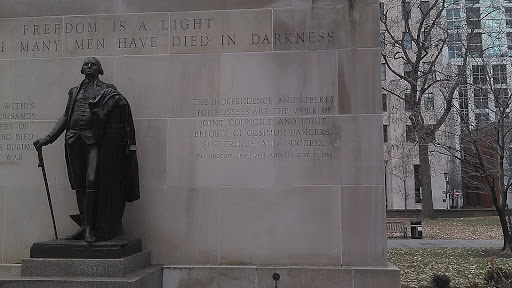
(463, 265)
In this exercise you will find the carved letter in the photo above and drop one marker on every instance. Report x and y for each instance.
(142, 26)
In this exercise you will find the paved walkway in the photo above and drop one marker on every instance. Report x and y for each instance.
(423, 243)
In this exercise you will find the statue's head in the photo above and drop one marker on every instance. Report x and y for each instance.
(91, 68)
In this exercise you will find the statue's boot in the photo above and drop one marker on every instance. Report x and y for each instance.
(90, 208)
(80, 200)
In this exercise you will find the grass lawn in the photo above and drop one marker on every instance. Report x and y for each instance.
(463, 265)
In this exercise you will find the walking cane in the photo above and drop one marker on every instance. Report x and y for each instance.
(41, 164)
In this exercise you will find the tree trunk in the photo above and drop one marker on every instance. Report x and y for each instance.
(427, 207)
(507, 239)
(405, 194)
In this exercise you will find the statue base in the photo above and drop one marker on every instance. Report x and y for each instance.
(79, 249)
(70, 263)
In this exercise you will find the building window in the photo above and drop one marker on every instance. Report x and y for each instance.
(479, 75)
(410, 134)
(454, 45)
(382, 13)
(493, 44)
(481, 99)
(406, 10)
(385, 131)
(473, 17)
(428, 101)
(407, 70)
(481, 118)
(509, 43)
(502, 96)
(475, 44)
(464, 104)
(508, 16)
(424, 6)
(384, 102)
(427, 70)
(383, 71)
(425, 37)
(499, 74)
(409, 102)
(472, 2)
(453, 2)
(417, 183)
(453, 18)
(407, 40)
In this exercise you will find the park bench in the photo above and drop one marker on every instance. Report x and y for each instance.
(393, 227)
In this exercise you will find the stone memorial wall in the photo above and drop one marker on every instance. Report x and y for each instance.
(258, 125)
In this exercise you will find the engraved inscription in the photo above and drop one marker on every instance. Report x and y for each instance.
(219, 31)
(264, 127)
(137, 34)
(16, 137)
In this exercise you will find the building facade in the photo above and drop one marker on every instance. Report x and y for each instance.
(477, 37)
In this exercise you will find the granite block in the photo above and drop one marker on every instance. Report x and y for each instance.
(35, 8)
(151, 137)
(301, 277)
(179, 225)
(359, 84)
(388, 277)
(260, 75)
(10, 270)
(18, 157)
(51, 267)
(363, 241)
(362, 150)
(210, 277)
(4, 269)
(280, 226)
(134, 6)
(5, 91)
(149, 277)
(288, 276)
(21, 228)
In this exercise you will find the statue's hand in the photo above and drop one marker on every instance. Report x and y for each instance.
(107, 91)
(39, 143)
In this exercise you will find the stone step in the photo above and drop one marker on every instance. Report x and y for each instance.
(149, 277)
(7, 270)
(85, 267)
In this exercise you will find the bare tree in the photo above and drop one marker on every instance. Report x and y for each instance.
(402, 170)
(485, 136)
(413, 45)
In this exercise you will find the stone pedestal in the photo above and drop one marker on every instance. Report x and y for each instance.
(131, 271)
(288, 277)
(79, 249)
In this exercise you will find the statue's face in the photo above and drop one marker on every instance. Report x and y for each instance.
(91, 68)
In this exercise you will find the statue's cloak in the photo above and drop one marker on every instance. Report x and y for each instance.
(118, 176)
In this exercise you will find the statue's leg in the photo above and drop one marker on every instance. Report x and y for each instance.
(80, 200)
(77, 163)
(90, 213)
(90, 195)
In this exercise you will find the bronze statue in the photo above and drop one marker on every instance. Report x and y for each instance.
(100, 154)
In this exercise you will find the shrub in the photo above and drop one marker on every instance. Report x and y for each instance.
(473, 284)
(498, 276)
(441, 281)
